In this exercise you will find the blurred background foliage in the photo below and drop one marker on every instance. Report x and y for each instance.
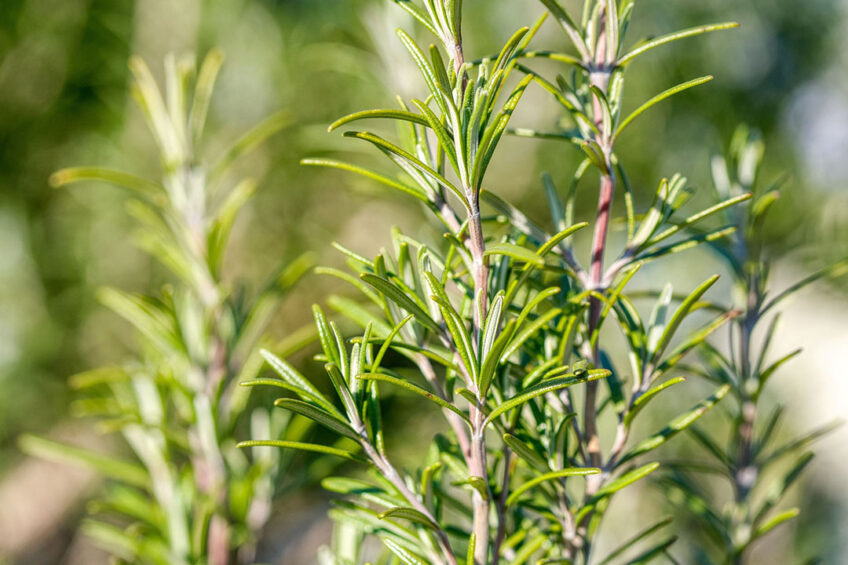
(64, 101)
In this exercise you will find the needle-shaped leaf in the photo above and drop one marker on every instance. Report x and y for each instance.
(643, 399)
(311, 447)
(304, 394)
(616, 485)
(526, 452)
(250, 141)
(405, 188)
(553, 475)
(406, 556)
(688, 243)
(318, 415)
(109, 466)
(516, 252)
(679, 315)
(559, 238)
(695, 218)
(492, 358)
(663, 39)
(416, 13)
(396, 295)
(775, 521)
(836, 270)
(389, 114)
(659, 98)
(569, 27)
(545, 387)
(439, 96)
(380, 377)
(676, 426)
(406, 513)
(527, 331)
(125, 180)
(396, 152)
(630, 543)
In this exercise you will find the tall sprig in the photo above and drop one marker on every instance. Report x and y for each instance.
(501, 321)
(592, 97)
(758, 465)
(188, 495)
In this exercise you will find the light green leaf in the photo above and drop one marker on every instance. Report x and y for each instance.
(659, 98)
(663, 39)
(570, 472)
(401, 115)
(379, 377)
(676, 426)
(516, 252)
(312, 447)
(129, 473)
(396, 295)
(405, 188)
(545, 387)
(101, 174)
(318, 415)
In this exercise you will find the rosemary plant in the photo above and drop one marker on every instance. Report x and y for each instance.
(758, 464)
(188, 495)
(499, 323)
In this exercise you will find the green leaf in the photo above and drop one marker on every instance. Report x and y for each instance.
(836, 270)
(694, 218)
(396, 295)
(516, 252)
(659, 98)
(643, 399)
(495, 131)
(379, 377)
(493, 325)
(570, 472)
(528, 331)
(406, 556)
(305, 395)
(676, 426)
(312, 447)
(652, 553)
(634, 540)
(405, 188)
(406, 513)
(417, 14)
(775, 521)
(250, 141)
(295, 379)
(778, 489)
(626, 479)
(545, 387)
(569, 27)
(409, 160)
(439, 96)
(100, 174)
(318, 415)
(679, 315)
(493, 358)
(526, 452)
(559, 238)
(662, 40)
(614, 486)
(129, 473)
(401, 115)
(203, 93)
(689, 243)
(145, 315)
